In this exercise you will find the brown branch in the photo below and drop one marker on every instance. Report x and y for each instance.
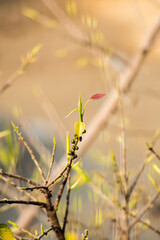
(52, 215)
(36, 203)
(62, 187)
(67, 205)
(44, 233)
(18, 177)
(35, 188)
(58, 177)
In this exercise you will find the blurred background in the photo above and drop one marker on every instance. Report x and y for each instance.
(65, 66)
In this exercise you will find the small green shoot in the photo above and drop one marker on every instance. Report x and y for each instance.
(81, 110)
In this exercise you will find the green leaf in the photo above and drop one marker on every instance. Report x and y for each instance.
(76, 164)
(82, 173)
(154, 183)
(76, 183)
(79, 128)
(6, 233)
(35, 50)
(14, 224)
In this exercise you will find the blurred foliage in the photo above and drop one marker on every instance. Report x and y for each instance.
(9, 149)
(6, 233)
(71, 8)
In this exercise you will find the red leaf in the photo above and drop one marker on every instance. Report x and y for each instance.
(97, 96)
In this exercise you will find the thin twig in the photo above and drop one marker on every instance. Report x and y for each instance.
(58, 177)
(18, 177)
(153, 151)
(26, 232)
(44, 233)
(34, 188)
(62, 187)
(11, 80)
(26, 61)
(144, 210)
(52, 160)
(67, 205)
(146, 224)
(36, 203)
(22, 238)
(18, 188)
(30, 152)
(135, 180)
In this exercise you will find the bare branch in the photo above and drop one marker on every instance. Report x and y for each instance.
(29, 59)
(146, 224)
(36, 203)
(44, 233)
(135, 180)
(153, 151)
(18, 188)
(62, 187)
(18, 177)
(144, 210)
(30, 151)
(52, 215)
(67, 205)
(58, 177)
